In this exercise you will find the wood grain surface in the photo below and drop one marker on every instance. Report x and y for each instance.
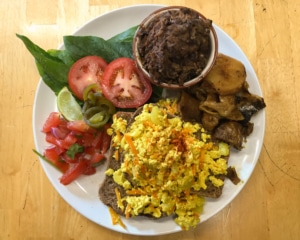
(269, 205)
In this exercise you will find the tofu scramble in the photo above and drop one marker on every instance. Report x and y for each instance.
(165, 162)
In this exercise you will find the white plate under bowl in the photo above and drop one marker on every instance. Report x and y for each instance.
(82, 194)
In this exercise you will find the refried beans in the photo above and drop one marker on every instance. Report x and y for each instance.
(175, 46)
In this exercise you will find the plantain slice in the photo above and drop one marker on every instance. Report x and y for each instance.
(227, 76)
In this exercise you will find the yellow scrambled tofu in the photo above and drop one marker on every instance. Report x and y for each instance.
(167, 161)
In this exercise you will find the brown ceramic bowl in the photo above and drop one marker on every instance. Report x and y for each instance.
(153, 61)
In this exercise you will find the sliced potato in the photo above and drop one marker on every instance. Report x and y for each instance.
(227, 76)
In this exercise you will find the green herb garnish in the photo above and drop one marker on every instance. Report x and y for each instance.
(74, 149)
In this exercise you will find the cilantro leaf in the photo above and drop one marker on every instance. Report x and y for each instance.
(74, 149)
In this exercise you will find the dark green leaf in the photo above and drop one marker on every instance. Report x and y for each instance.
(156, 93)
(62, 55)
(125, 36)
(81, 46)
(124, 49)
(54, 85)
(53, 71)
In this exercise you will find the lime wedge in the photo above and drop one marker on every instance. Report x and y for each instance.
(68, 106)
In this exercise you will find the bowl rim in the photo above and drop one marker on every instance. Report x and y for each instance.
(211, 60)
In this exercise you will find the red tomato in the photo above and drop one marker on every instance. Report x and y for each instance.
(97, 157)
(66, 158)
(90, 170)
(86, 139)
(53, 120)
(52, 154)
(92, 155)
(98, 139)
(65, 143)
(84, 72)
(124, 84)
(80, 126)
(50, 138)
(74, 172)
(62, 135)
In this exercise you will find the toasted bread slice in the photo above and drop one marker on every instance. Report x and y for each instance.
(107, 191)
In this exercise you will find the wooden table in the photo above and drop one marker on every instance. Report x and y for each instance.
(269, 205)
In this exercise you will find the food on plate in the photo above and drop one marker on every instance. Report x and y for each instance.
(174, 45)
(54, 64)
(124, 84)
(78, 67)
(96, 109)
(146, 176)
(227, 76)
(160, 165)
(68, 106)
(222, 102)
(84, 72)
(75, 148)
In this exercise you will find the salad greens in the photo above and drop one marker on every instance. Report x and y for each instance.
(52, 69)
(81, 46)
(54, 65)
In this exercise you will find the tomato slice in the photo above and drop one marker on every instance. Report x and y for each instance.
(124, 84)
(84, 72)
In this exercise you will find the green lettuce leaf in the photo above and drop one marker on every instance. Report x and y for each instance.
(53, 70)
(125, 36)
(81, 46)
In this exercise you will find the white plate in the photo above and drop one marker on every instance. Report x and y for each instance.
(82, 195)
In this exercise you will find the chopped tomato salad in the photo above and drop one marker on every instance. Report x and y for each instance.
(75, 148)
